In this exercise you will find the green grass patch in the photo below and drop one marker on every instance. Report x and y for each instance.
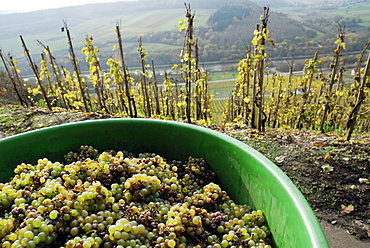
(295, 13)
(160, 47)
(221, 84)
(222, 89)
(356, 10)
(221, 93)
(219, 106)
(318, 36)
(213, 76)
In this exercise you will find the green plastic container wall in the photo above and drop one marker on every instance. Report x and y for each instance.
(247, 176)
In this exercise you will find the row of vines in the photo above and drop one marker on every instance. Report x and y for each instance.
(323, 102)
(117, 91)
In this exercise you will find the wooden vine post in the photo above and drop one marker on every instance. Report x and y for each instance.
(15, 80)
(36, 73)
(56, 72)
(309, 72)
(188, 61)
(90, 51)
(351, 123)
(259, 41)
(291, 68)
(76, 68)
(130, 99)
(156, 92)
(337, 54)
(254, 122)
(144, 83)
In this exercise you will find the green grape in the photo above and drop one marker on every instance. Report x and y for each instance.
(86, 244)
(197, 220)
(31, 244)
(36, 239)
(224, 243)
(125, 235)
(53, 214)
(42, 236)
(112, 229)
(127, 227)
(37, 222)
(171, 243)
(74, 231)
(134, 230)
(6, 244)
(28, 235)
(220, 229)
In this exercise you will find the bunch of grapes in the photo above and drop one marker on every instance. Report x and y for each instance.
(115, 199)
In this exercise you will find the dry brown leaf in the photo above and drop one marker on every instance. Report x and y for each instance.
(319, 144)
(347, 209)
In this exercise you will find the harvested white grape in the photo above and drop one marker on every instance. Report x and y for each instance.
(115, 199)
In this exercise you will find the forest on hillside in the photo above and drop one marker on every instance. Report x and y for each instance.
(228, 38)
(230, 30)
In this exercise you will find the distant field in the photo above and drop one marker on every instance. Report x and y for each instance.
(102, 29)
(356, 10)
(223, 75)
(295, 13)
(219, 107)
(318, 35)
(222, 89)
(362, 10)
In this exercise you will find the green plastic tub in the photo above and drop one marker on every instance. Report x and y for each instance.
(247, 176)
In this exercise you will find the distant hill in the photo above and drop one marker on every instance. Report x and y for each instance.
(224, 29)
(92, 18)
(98, 21)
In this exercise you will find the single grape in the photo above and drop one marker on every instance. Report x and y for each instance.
(53, 214)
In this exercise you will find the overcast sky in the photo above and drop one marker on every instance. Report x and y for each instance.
(30, 5)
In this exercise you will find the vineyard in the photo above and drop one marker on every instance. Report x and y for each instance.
(319, 99)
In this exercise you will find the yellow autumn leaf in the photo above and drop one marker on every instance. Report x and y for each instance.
(255, 41)
(182, 25)
(327, 157)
